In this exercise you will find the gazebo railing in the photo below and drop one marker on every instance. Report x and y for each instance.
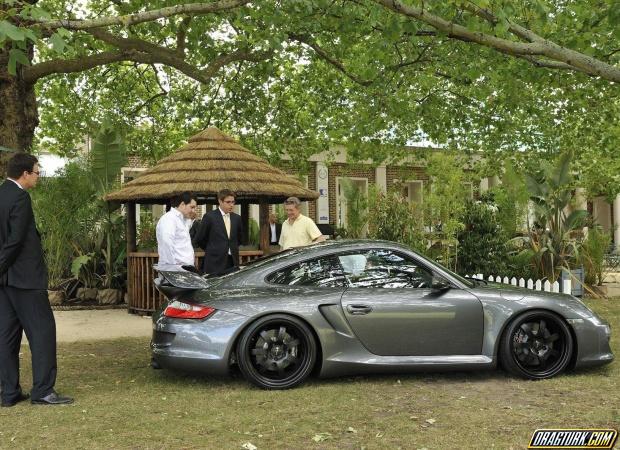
(144, 298)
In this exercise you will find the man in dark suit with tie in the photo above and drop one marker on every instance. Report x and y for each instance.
(24, 305)
(274, 229)
(219, 235)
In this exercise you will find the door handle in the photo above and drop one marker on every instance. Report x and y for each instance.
(358, 310)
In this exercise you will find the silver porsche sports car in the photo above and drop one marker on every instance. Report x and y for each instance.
(350, 307)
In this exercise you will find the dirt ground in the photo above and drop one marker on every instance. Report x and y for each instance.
(92, 325)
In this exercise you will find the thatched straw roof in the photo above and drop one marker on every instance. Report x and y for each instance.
(209, 162)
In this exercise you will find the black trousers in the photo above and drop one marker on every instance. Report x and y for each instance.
(26, 310)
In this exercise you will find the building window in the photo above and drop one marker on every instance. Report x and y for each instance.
(413, 191)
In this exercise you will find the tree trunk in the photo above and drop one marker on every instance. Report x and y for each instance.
(18, 109)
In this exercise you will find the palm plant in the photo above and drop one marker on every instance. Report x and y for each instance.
(106, 159)
(554, 238)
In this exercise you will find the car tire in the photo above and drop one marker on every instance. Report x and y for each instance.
(276, 352)
(536, 345)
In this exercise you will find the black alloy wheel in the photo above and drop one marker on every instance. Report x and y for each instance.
(536, 345)
(276, 352)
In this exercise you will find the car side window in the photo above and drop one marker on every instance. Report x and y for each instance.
(323, 272)
(382, 268)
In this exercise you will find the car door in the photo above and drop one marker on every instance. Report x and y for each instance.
(392, 309)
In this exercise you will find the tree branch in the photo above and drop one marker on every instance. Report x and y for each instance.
(304, 39)
(549, 64)
(35, 72)
(139, 51)
(535, 45)
(146, 16)
(182, 35)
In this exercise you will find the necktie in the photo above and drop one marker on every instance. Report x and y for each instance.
(227, 224)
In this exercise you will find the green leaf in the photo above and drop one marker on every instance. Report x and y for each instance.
(14, 33)
(79, 262)
(30, 35)
(108, 154)
(575, 220)
(17, 56)
(561, 173)
(58, 43)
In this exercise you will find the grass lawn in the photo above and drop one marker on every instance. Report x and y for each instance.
(122, 403)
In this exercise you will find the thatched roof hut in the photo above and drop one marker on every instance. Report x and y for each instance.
(209, 162)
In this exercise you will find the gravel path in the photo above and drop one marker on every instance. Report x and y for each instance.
(92, 325)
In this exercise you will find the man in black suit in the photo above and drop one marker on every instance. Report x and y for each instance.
(24, 305)
(219, 236)
(274, 230)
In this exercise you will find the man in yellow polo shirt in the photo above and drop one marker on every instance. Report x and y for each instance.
(298, 230)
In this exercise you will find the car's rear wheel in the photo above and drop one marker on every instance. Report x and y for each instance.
(536, 345)
(276, 352)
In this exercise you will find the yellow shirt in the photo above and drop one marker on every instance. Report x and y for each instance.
(301, 233)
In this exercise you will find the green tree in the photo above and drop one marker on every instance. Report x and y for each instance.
(295, 75)
(444, 204)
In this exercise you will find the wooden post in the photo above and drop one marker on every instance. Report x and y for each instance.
(130, 217)
(131, 227)
(245, 223)
(263, 215)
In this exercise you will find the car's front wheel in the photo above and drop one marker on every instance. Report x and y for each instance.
(536, 345)
(276, 352)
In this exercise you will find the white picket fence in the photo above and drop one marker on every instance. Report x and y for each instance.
(537, 285)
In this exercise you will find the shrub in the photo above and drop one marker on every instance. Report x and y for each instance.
(393, 218)
(64, 210)
(146, 237)
(356, 209)
(592, 255)
(482, 244)
(253, 233)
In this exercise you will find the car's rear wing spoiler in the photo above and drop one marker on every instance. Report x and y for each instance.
(179, 277)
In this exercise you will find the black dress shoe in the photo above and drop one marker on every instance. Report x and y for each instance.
(20, 398)
(52, 399)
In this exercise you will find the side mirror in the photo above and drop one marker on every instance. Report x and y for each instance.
(439, 283)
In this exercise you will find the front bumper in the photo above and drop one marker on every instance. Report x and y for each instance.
(202, 346)
(593, 339)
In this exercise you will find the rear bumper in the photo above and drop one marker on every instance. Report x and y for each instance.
(203, 346)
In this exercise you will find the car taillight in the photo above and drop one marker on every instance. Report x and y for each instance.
(180, 310)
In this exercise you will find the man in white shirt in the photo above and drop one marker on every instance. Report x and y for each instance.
(174, 244)
(298, 230)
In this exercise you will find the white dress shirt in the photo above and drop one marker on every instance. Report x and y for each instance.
(173, 242)
(224, 216)
(273, 239)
